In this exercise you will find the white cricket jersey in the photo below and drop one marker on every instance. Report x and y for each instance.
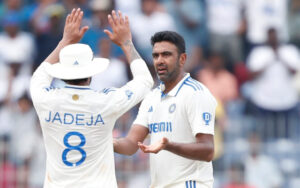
(77, 125)
(188, 109)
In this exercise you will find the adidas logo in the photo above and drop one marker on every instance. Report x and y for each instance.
(76, 63)
(150, 109)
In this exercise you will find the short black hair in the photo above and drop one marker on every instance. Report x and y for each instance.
(76, 81)
(169, 36)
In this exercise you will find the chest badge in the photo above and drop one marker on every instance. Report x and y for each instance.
(75, 97)
(172, 108)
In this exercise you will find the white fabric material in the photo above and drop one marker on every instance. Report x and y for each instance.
(273, 88)
(114, 76)
(18, 49)
(262, 172)
(77, 124)
(143, 29)
(179, 117)
(224, 16)
(77, 61)
(264, 14)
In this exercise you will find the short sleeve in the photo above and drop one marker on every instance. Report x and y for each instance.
(290, 55)
(259, 58)
(201, 107)
(145, 108)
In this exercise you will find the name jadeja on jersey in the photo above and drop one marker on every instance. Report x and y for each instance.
(80, 119)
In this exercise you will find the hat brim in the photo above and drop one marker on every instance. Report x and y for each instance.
(60, 71)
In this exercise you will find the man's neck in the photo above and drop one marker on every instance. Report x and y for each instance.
(171, 84)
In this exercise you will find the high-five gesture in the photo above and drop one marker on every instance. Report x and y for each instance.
(121, 35)
(72, 34)
(72, 31)
(120, 26)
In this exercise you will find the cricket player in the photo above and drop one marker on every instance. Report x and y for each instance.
(179, 117)
(76, 121)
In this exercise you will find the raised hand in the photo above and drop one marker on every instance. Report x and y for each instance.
(72, 31)
(72, 34)
(121, 33)
(154, 148)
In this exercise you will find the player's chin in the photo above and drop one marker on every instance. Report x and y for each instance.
(162, 77)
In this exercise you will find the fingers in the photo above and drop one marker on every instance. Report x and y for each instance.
(115, 20)
(115, 17)
(72, 15)
(83, 30)
(78, 15)
(108, 33)
(110, 21)
(121, 17)
(126, 21)
(142, 146)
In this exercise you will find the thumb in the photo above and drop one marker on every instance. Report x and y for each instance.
(83, 30)
(164, 140)
(108, 33)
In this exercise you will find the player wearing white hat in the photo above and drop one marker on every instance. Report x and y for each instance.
(76, 121)
(179, 117)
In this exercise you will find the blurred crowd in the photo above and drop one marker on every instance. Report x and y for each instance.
(245, 51)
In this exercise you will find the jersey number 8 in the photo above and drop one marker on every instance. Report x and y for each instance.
(70, 147)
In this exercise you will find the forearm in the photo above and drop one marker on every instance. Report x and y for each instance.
(194, 151)
(54, 56)
(130, 51)
(125, 146)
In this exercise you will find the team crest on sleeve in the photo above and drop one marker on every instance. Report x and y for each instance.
(129, 94)
(206, 117)
(172, 108)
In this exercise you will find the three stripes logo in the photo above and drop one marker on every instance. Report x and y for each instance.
(190, 184)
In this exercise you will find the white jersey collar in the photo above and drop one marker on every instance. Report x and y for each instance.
(77, 87)
(176, 89)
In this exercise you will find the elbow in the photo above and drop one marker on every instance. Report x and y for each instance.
(131, 152)
(149, 82)
(210, 154)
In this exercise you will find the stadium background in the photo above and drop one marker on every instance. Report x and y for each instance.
(251, 150)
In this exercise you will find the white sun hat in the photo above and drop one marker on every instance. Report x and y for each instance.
(76, 61)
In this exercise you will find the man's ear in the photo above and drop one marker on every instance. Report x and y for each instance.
(182, 59)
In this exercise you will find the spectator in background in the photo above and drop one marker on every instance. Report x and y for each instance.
(37, 161)
(82, 4)
(226, 25)
(151, 19)
(46, 41)
(7, 168)
(261, 170)
(115, 75)
(262, 15)
(130, 8)
(100, 10)
(17, 50)
(22, 137)
(294, 22)
(237, 177)
(10, 6)
(221, 83)
(190, 22)
(39, 16)
(273, 97)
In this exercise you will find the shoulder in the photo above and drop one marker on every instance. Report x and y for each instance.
(191, 86)
(261, 50)
(289, 49)
(194, 90)
(107, 91)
